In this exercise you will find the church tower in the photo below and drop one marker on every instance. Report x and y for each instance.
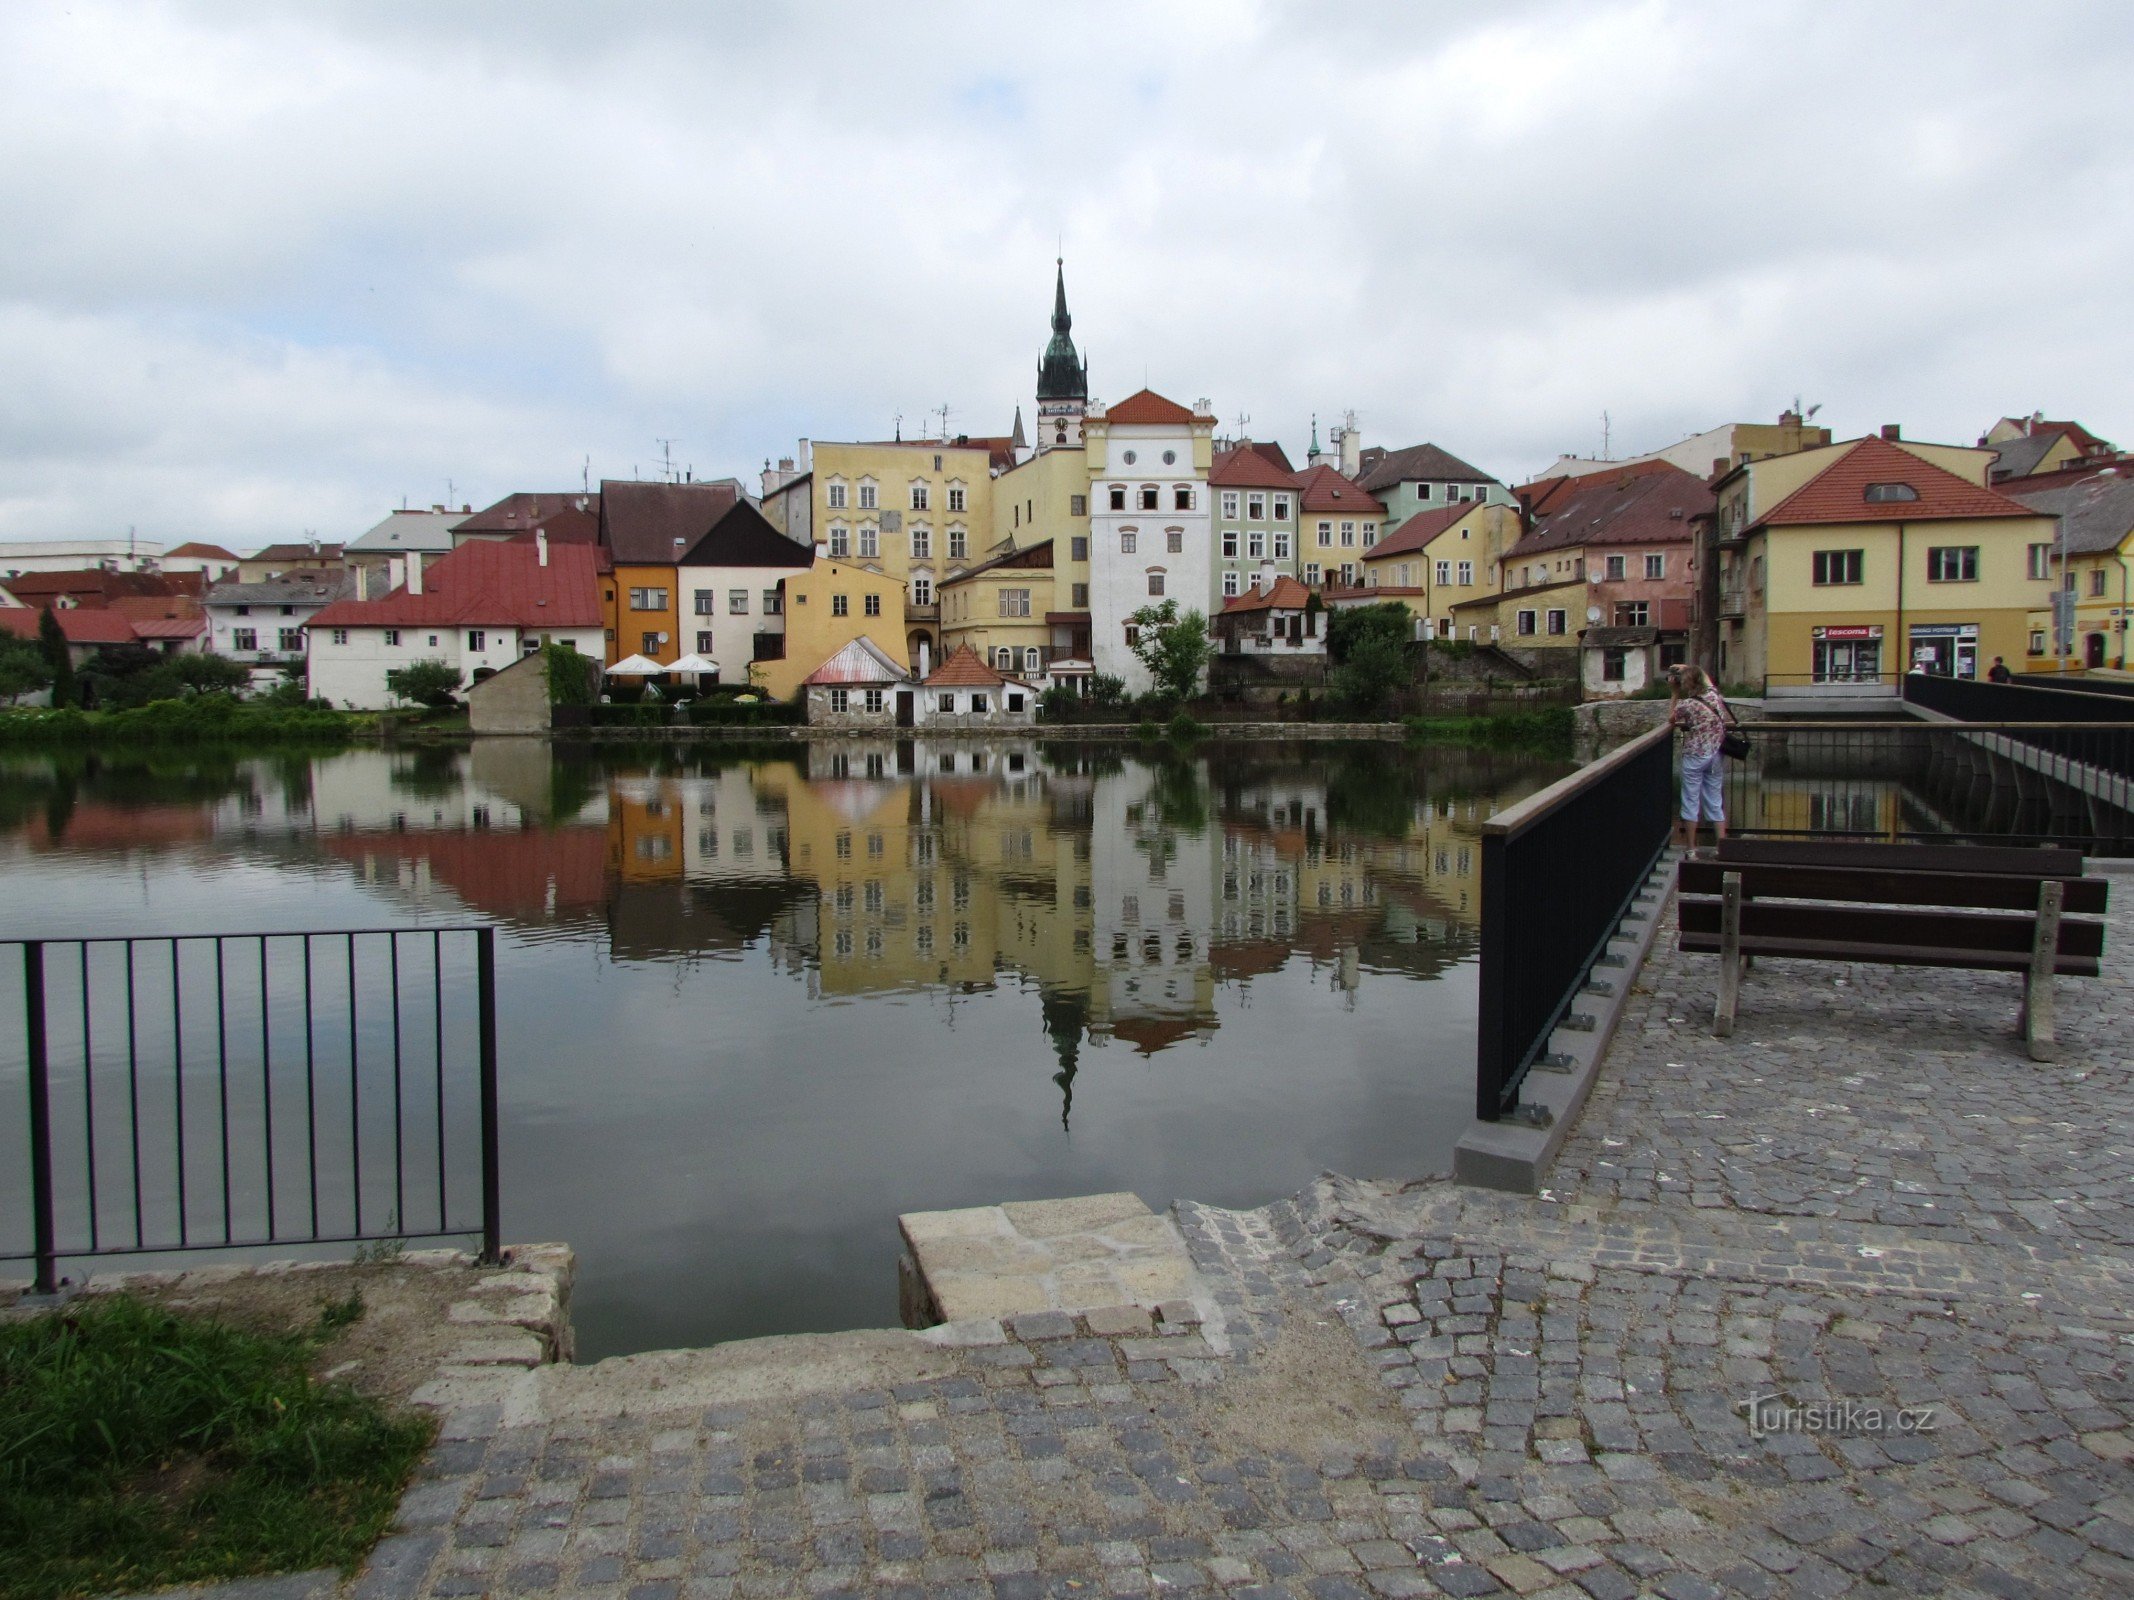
(1062, 379)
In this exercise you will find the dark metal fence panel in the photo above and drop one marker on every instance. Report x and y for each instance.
(1558, 872)
(2076, 682)
(231, 1091)
(1977, 700)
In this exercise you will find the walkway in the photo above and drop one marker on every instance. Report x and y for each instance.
(1867, 1201)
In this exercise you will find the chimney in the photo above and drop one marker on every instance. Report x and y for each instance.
(806, 457)
(822, 550)
(1720, 464)
(1892, 432)
(1789, 419)
(414, 572)
(1264, 583)
(396, 571)
(1351, 449)
(541, 545)
(314, 544)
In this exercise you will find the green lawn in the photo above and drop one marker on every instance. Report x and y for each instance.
(140, 1449)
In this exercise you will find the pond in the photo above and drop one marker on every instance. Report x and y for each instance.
(752, 1006)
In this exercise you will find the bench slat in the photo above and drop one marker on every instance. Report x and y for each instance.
(2066, 966)
(2048, 862)
(1884, 886)
(1842, 927)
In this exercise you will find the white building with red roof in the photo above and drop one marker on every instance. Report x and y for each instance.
(963, 692)
(1149, 530)
(1274, 617)
(477, 610)
(861, 687)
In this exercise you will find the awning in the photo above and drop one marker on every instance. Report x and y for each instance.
(636, 667)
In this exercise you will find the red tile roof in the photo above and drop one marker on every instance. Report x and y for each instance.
(169, 627)
(138, 609)
(300, 554)
(965, 669)
(1324, 489)
(1286, 595)
(1147, 406)
(195, 549)
(94, 586)
(518, 513)
(1619, 508)
(78, 624)
(1243, 467)
(654, 524)
(1418, 530)
(486, 584)
(1839, 492)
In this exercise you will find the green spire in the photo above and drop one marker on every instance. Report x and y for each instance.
(1062, 375)
(1315, 434)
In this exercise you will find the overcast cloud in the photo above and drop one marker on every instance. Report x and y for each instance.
(271, 268)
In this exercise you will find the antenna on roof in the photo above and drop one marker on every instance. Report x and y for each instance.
(1606, 434)
(900, 427)
(585, 476)
(666, 458)
(451, 491)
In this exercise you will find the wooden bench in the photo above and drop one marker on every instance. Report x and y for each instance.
(1902, 905)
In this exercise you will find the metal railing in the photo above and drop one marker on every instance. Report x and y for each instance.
(1982, 782)
(236, 1091)
(1558, 871)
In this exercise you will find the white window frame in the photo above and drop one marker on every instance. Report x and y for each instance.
(1230, 505)
(870, 495)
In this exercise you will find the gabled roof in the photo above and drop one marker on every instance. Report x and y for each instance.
(2085, 441)
(1272, 451)
(1036, 556)
(77, 624)
(1287, 595)
(1421, 463)
(1324, 489)
(1418, 530)
(1147, 406)
(1244, 467)
(2096, 511)
(525, 511)
(168, 627)
(95, 586)
(2019, 458)
(1644, 507)
(428, 531)
(653, 524)
(140, 608)
(486, 584)
(744, 537)
(861, 662)
(193, 549)
(1544, 495)
(964, 669)
(300, 554)
(306, 589)
(1839, 492)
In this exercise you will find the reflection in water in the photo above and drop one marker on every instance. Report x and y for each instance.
(754, 1006)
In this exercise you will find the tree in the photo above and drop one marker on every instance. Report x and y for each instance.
(1369, 648)
(429, 683)
(1173, 647)
(23, 668)
(209, 674)
(57, 661)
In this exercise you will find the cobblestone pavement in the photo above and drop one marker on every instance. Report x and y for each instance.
(1868, 1201)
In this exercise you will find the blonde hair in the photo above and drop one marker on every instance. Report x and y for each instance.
(1694, 681)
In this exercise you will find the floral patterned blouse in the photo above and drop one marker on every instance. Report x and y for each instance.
(1703, 725)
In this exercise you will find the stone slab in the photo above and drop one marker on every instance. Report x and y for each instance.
(1078, 1253)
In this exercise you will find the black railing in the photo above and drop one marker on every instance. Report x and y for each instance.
(242, 1090)
(1558, 871)
(1953, 782)
(1977, 700)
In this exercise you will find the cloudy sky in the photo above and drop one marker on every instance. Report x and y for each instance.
(271, 268)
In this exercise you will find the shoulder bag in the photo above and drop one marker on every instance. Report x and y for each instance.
(1733, 742)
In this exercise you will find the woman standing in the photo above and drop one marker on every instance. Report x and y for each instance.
(1698, 712)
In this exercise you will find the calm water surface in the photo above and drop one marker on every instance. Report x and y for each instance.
(751, 1009)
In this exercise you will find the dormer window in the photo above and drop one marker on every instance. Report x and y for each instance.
(1880, 494)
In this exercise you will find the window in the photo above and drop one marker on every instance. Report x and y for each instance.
(870, 542)
(703, 643)
(773, 603)
(1015, 704)
(647, 643)
(1633, 614)
(244, 638)
(1525, 624)
(837, 497)
(2040, 561)
(1880, 494)
(2037, 641)
(1467, 573)
(1281, 544)
(979, 705)
(704, 603)
(340, 636)
(1230, 586)
(1370, 534)
(1229, 544)
(1128, 541)
(959, 544)
(840, 541)
(1656, 566)
(1156, 583)
(1256, 506)
(1556, 621)
(1838, 566)
(1182, 498)
(1230, 504)
(839, 605)
(1326, 535)
(946, 705)
(736, 603)
(1256, 544)
(919, 497)
(1032, 662)
(1348, 533)
(1281, 508)
(392, 636)
(922, 541)
(872, 605)
(922, 589)
(1149, 500)
(293, 638)
(867, 497)
(840, 699)
(1444, 572)
(477, 641)
(874, 700)
(1174, 540)
(648, 599)
(1348, 574)
(1311, 573)
(1015, 602)
(2096, 588)
(1118, 497)
(244, 611)
(1614, 664)
(1614, 570)
(1003, 659)
(1080, 593)
(1952, 563)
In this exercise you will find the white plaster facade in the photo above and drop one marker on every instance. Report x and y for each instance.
(744, 601)
(348, 665)
(1137, 548)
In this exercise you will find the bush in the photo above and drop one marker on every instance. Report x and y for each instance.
(642, 714)
(570, 675)
(729, 711)
(1148, 729)
(427, 683)
(1184, 729)
(213, 718)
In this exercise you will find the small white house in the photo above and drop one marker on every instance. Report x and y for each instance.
(262, 624)
(477, 610)
(963, 692)
(1274, 617)
(862, 686)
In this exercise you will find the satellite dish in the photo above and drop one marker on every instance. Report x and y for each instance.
(1593, 613)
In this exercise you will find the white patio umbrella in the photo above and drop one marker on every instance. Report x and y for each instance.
(696, 664)
(636, 667)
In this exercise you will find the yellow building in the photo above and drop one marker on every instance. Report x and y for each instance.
(1047, 498)
(2092, 560)
(826, 608)
(1437, 559)
(1856, 562)
(1000, 608)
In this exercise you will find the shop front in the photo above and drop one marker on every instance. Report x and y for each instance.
(1945, 649)
(1849, 654)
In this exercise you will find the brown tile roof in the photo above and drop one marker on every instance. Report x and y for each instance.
(299, 554)
(965, 669)
(1286, 595)
(194, 548)
(1147, 406)
(140, 608)
(486, 584)
(1619, 508)
(522, 512)
(1839, 492)
(1418, 530)
(1420, 463)
(77, 624)
(1244, 467)
(1324, 489)
(653, 524)
(93, 586)
(169, 627)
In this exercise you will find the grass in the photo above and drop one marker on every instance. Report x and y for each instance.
(140, 1449)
